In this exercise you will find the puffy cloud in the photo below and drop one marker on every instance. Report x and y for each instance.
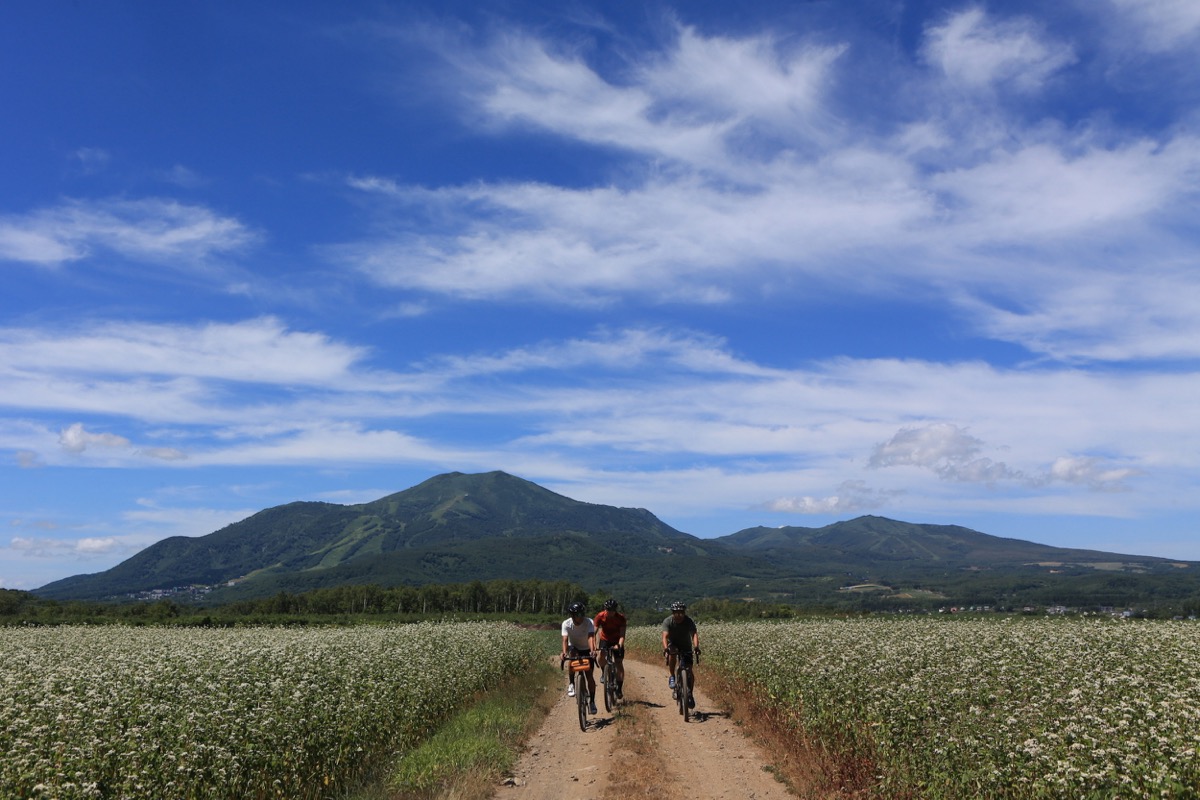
(929, 446)
(953, 454)
(1089, 471)
(944, 448)
(75, 439)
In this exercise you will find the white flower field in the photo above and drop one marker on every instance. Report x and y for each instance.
(953, 708)
(120, 712)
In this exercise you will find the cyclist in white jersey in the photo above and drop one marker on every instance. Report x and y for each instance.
(579, 639)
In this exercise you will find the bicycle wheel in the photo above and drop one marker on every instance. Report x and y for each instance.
(681, 688)
(685, 697)
(610, 686)
(581, 695)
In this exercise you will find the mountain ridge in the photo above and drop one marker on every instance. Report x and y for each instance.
(460, 527)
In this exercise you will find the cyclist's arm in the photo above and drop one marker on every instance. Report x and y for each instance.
(665, 643)
(564, 652)
(621, 637)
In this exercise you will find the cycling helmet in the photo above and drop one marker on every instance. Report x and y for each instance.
(678, 606)
(577, 609)
(610, 605)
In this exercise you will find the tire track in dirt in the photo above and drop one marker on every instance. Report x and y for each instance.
(708, 758)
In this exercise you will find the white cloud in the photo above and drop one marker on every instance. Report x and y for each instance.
(75, 439)
(1044, 191)
(1090, 471)
(83, 548)
(953, 454)
(1005, 217)
(852, 497)
(257, 351)
(1160, 24)
(148, 230)
(977, 51)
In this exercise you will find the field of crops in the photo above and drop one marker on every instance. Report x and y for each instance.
(118, 712)
(952, 708)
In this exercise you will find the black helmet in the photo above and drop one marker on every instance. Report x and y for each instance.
(610, 605)
(678, 606)
(577, 609)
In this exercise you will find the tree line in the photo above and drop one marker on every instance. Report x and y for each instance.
(517, 598)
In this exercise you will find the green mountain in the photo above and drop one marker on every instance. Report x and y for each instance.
(451, 528)
(877, 543)
(458, 528)
(888, 561)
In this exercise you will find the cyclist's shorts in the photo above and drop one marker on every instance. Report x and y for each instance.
(685, 655)
(617, 652)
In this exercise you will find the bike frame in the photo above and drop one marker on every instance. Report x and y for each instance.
(580, 664)
(683, 689)
(609, 673)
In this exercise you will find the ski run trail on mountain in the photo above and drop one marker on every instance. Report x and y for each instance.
(704, 759)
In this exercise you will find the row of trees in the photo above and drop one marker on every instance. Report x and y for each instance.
(524, 599)
(534, 597)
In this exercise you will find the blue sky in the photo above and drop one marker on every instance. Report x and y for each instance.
(745, 264)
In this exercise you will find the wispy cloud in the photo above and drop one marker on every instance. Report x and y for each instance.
(976, 51)
(718, 198)
(1162, 25)
(852, 497)
(149, 230)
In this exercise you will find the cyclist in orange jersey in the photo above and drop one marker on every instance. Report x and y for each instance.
(610, 629)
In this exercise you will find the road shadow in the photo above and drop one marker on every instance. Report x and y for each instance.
(644, 704)
(703, 716)
(600, 723)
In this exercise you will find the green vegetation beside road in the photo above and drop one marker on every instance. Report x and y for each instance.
(246, 712)
(945, 708)
(468, 755)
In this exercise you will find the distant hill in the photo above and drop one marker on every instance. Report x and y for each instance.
(878, 542)
(461, 528)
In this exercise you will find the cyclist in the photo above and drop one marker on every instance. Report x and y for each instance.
(579, 640)
(610, 624)
(680, 639)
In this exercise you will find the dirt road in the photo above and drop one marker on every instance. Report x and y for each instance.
(705, 759)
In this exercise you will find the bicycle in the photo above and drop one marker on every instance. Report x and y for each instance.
(580, 664)
(609, 676)
(682, 692)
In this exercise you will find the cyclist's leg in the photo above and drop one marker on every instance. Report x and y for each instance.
(619, 664)
(603, 657)
(591, 680)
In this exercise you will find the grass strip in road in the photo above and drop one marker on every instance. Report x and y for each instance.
(640, 767)
(468, 756)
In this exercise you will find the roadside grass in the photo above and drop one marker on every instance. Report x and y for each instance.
(640, 766)
(807, 768)
(466, 758)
